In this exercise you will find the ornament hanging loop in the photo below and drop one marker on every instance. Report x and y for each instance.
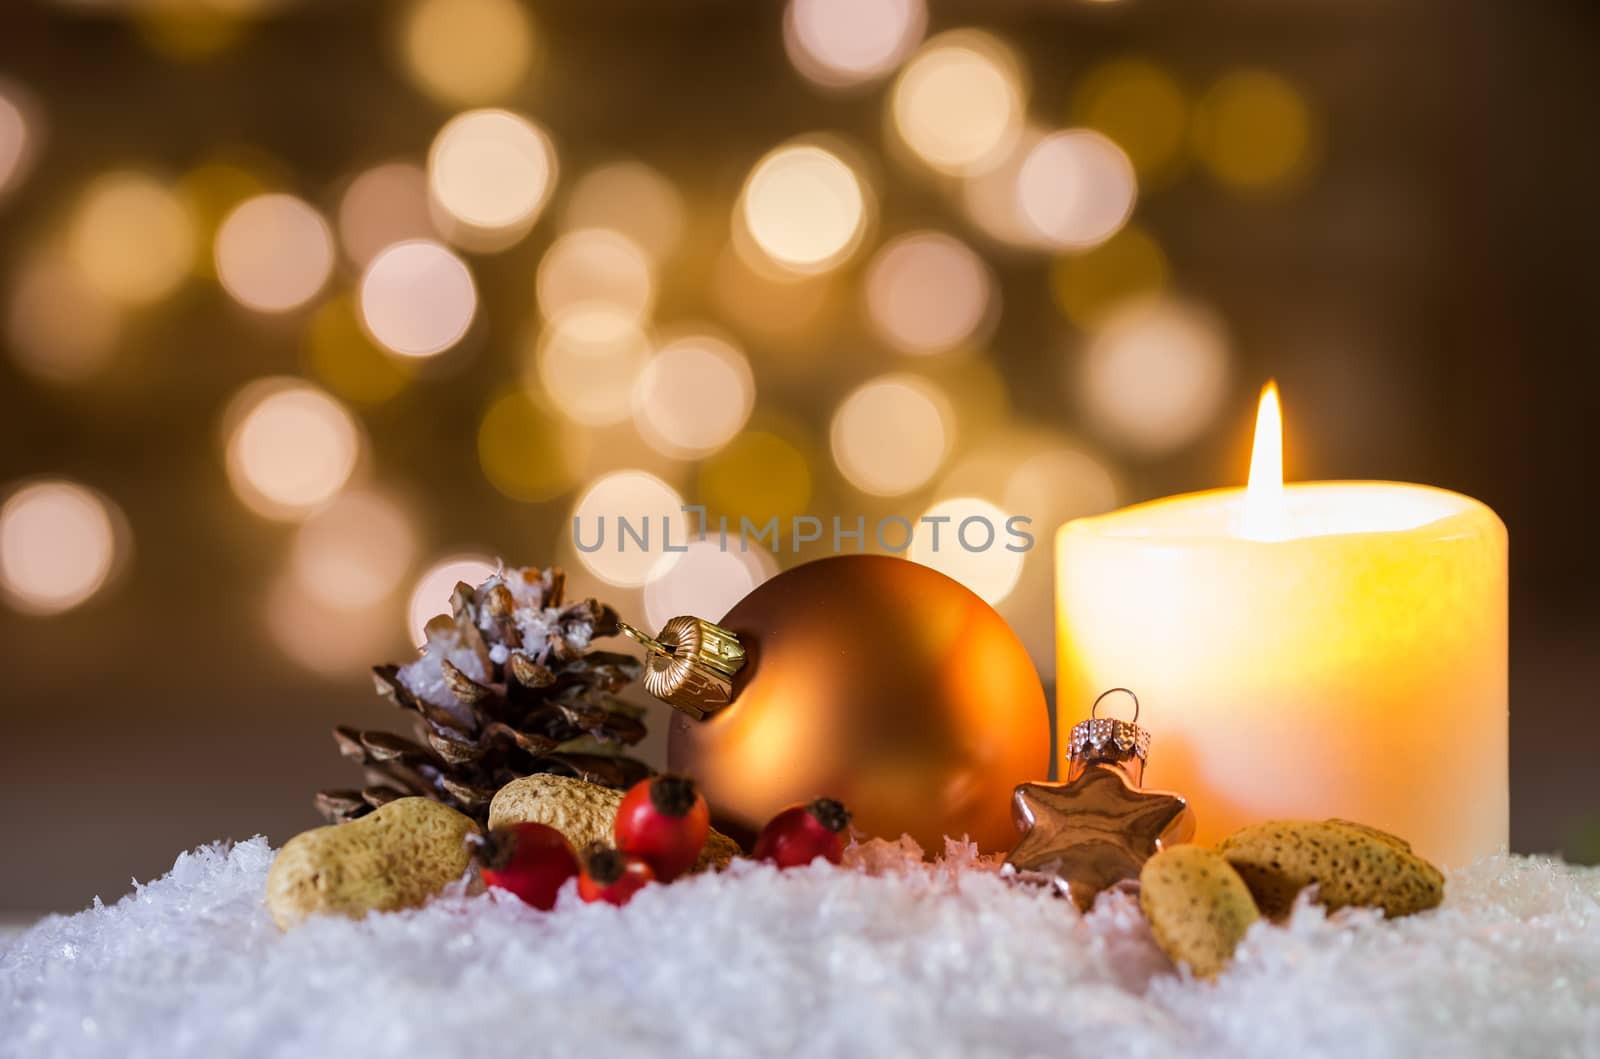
(1094, 711)
(645, 640)
(1109, 741)
(690, 665)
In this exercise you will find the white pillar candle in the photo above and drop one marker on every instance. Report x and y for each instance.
(1321, 649)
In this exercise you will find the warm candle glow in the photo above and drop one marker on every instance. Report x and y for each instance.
(1303, 651)
(1263, 505)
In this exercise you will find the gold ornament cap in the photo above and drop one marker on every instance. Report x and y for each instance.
(690, 665)
(1109, 741)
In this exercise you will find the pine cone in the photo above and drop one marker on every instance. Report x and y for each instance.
(506, 687)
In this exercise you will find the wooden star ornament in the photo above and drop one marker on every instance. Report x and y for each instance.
(1099, 827)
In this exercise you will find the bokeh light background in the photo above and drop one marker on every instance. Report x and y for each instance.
(309, 310)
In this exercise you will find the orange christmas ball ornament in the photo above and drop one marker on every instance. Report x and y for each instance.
(870, 679)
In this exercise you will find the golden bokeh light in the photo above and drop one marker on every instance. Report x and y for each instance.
(525, 449)
(693, 396)
(430, 594)
(418, 299)
(758, 475)
(336, 643)
(965, 539)
(190, 30)
(777, 306)
(626, 522)
(632, 198)
(984, 468)
(959, 103)
(588, 360)
(1077, 188)
(1254, 131)
(595, 265)
(707, 580)
(927, 292)
(341, 356)
(18, 137)
(1058, 484)
(132, 238)
(1088, 285)
(354, 552)
(216, 187)
(595, 449)
(467, 52)
(839, 43)
(1154, 375)
(58, 545)
(891, 435)
(490, 173)
(384, 205)
(1141, 108)
(290, 448)
(228, 176)
(58, 328)
(274, 253)
(991, 202)
(981, 470)
(804, 208)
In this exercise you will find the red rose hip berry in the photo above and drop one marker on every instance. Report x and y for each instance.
(612, 876)
(663, 821)
(802, 833)
(530, 860)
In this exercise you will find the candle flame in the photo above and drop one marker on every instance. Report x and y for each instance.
(1264, 517)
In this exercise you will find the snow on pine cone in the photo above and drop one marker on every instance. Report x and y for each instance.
(507, 686)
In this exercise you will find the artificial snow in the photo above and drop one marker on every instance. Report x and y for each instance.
(889, 958)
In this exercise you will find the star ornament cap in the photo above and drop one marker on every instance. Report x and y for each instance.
(1099, 827)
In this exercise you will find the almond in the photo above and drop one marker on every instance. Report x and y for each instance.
(1197, 905)
(1349, 863)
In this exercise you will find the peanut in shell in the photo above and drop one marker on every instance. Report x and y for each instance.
(585, 813)
(395, 857)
